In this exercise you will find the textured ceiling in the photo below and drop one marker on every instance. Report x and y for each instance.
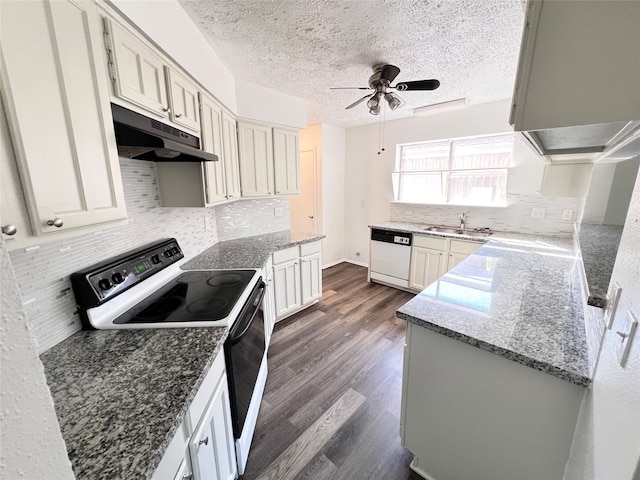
(303, 47)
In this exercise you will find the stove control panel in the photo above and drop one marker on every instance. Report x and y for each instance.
(98, 283)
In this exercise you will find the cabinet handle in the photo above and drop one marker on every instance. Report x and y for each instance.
(205, 441)
(188, 477)
(9, 229)
(178, 115)
(56, 222)
(269, 193)
(230, 196)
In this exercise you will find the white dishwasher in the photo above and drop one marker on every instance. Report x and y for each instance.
(390, 257)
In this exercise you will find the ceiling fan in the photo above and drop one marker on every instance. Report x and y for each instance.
(380, 81)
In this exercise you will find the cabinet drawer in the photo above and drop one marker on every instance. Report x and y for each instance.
(435, 243)
(216, 372)
(310, 248)
(460, 246)
(286, 255)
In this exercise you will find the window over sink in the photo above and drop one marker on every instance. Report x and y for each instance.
(460, 171)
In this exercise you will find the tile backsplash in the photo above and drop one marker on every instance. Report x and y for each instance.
(514, 218)
(42, 272)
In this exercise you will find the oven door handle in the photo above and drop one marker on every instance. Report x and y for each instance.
(236, 339)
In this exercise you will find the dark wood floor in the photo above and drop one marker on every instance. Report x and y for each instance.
(331, 405)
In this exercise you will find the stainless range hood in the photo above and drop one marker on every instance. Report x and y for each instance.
(613, 141)
(144, 138)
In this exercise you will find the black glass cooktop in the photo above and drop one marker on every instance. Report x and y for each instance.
(191, 297)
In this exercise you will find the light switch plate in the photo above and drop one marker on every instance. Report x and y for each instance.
(613, 295)
(625, 336)
(567, 214)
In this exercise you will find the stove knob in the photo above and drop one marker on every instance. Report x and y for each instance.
(117, 277)
(175, 250)
(168, 253)
(104, 284)
(156, 259)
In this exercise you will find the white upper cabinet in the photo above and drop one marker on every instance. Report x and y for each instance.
(57, 106)
(138, 72)
(286, 158)
(143, 79)
(212, 142)
(269, 160)
(183, 98)
(230, 157)
(579, 65)
(256, 159)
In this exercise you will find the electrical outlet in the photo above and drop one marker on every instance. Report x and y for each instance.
(626, 334)
(208, 225)
(567, 214)
(537, 213)
(408, 212)
(613, 295)
(278, 212)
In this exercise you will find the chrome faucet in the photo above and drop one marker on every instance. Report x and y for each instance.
(463, 221)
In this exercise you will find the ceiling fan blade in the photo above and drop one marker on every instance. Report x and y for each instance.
(350, 88)
(418, 85)
(389, 73)
(358, 102)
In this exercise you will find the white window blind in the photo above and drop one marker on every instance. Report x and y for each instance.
(461, 171)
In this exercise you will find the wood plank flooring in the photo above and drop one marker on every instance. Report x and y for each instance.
(331, 406)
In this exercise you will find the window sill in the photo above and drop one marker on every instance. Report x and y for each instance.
(502, 205)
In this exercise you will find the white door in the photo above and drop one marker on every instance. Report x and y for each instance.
(304, 208)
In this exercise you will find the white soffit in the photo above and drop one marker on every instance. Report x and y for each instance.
(303, 47)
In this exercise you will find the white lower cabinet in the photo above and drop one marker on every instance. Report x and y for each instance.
(203, 448)
(432, 257)
(297, 278)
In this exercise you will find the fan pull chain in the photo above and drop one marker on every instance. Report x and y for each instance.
(381, 134)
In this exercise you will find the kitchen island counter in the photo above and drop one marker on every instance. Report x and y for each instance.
(517, 296)
(247, 252)
(120, 395)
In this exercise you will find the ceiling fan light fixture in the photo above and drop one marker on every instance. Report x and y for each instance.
(375, 110)
(393, 100)
(373, 102)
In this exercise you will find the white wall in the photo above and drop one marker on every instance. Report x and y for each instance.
(329, 144)
(333, 192)
(621, 190)
(599, 190)
(369, 188)
(30, 439)
(607, 440)
(260, 103)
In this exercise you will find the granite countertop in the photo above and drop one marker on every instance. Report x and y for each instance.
(599, 247)
(120, 395)
(248, 252)
(517, 297)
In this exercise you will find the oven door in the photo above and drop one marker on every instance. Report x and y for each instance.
(244, 351)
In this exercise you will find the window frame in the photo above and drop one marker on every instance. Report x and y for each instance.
(445, 174)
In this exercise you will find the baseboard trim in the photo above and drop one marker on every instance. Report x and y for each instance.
(345, 260)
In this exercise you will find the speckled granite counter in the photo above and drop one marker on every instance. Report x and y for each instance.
(120, 395)
(599, 247)
(248, 252)
(515, 297)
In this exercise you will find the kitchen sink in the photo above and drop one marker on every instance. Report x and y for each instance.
(459, 231)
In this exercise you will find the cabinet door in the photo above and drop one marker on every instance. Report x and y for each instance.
(426, 267)
(184, 472)
(212, 143)
(230, 148)
(212, 447)
(286, 280)
(256, 159)
(183, 103)
(454, 259)
(311, 281)
(286, 160)
(139, 72)
(59, 115)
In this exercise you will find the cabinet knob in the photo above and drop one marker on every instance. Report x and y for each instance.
(269, 193)
(230, 196)
(204, 441)
(56, 222)
(188, 477)
(165, 109)
(9, 229)
(178, 115)
(311, 217)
